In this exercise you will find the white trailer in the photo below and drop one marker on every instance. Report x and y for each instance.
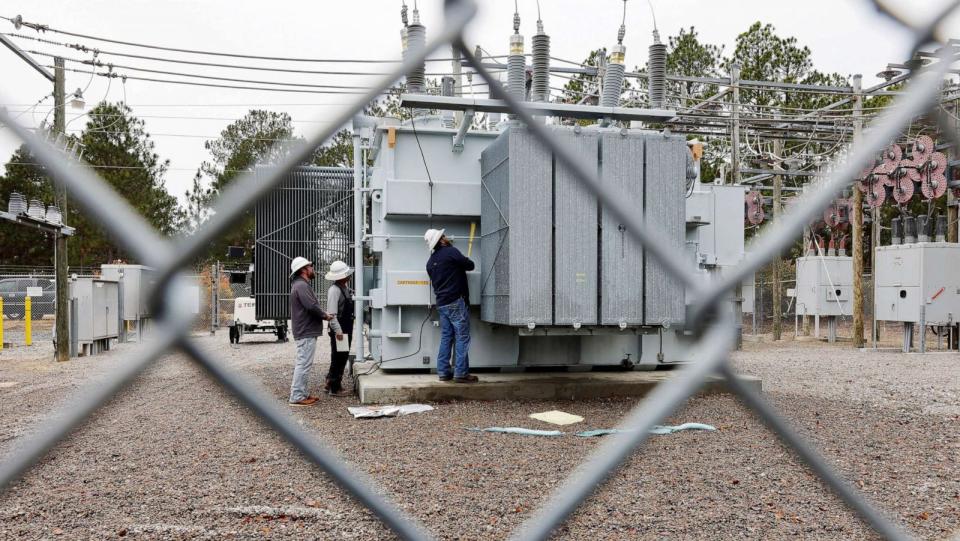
(245, 321)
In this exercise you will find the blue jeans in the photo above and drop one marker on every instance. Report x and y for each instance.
(454, 327)
(306, 348)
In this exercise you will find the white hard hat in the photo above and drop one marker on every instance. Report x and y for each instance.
(432, 236)
(338, 271)
(297, 264)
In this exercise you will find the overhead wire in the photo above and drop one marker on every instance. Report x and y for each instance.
(46, 28)
(101, 64)
(213, 85)
(85, 48)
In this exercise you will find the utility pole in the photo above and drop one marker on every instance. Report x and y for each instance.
(62, 332)
(857, 221)
(777, 209)
(735, 118)
(61, 329)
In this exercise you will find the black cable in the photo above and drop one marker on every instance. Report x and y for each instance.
(377, 365)
(425, 166)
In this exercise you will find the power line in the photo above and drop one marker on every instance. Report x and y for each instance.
(328, 104)
(212, 85)
(185, 135)
(86, 49)
(174, 117)
(101, 64)
(46, 28)
(123, 167)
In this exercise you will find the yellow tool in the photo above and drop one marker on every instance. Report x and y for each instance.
(473, 231)
(28, 331)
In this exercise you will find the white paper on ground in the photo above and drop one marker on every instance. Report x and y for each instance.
(372, 412)
(343, 345)
(556, 417)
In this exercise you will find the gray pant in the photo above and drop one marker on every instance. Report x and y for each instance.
(306, 348)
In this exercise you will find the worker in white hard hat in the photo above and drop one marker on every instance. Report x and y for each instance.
(447, 268)
(307, 324)
(340, 305)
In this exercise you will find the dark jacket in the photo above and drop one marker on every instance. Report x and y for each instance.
(305, 312)
(448, 268)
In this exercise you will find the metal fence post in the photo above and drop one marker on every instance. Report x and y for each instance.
(358, 168)
(121, 323)
(73, 323)
(214, 295)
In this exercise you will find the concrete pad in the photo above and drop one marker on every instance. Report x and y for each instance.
(380, 388)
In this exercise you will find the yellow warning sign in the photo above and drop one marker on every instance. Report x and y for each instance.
(413, 282)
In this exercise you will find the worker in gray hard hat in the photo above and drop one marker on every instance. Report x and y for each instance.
(447, 269)
(340, 305)
(307, 324)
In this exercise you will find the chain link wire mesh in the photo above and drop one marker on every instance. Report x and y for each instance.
(715, 325)
(14, 290)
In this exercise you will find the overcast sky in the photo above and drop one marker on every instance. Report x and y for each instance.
(845, 36)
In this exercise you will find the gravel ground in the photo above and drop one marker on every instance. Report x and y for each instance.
(174, 457)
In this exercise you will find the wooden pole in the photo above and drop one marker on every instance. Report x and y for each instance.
(857, 219)
(62, 329)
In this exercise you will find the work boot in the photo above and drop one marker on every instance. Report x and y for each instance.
(339, 394)
(309, 401)
(466, 379)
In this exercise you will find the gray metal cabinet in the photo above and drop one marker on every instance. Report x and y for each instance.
(918, 281)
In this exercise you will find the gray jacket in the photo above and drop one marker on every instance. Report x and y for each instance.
(305, 312)
(334, 297)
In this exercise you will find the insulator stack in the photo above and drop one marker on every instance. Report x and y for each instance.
(658, 72)
(17, 204)
(613, 78)
(896, 231)
(540, 88)
(923, 228)
(941, 228)
(415, 40)
(53, 215)
(909, 230)
(36, 210)
(517, 69)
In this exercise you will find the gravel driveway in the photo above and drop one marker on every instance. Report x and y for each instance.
(174, 457)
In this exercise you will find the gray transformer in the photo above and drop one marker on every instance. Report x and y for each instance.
(558, 281)
(552, 257)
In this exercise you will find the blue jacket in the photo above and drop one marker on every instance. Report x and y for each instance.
(448, 268)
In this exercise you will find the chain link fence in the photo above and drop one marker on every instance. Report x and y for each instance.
(217, 292)
(709, 316)
(29, 309)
